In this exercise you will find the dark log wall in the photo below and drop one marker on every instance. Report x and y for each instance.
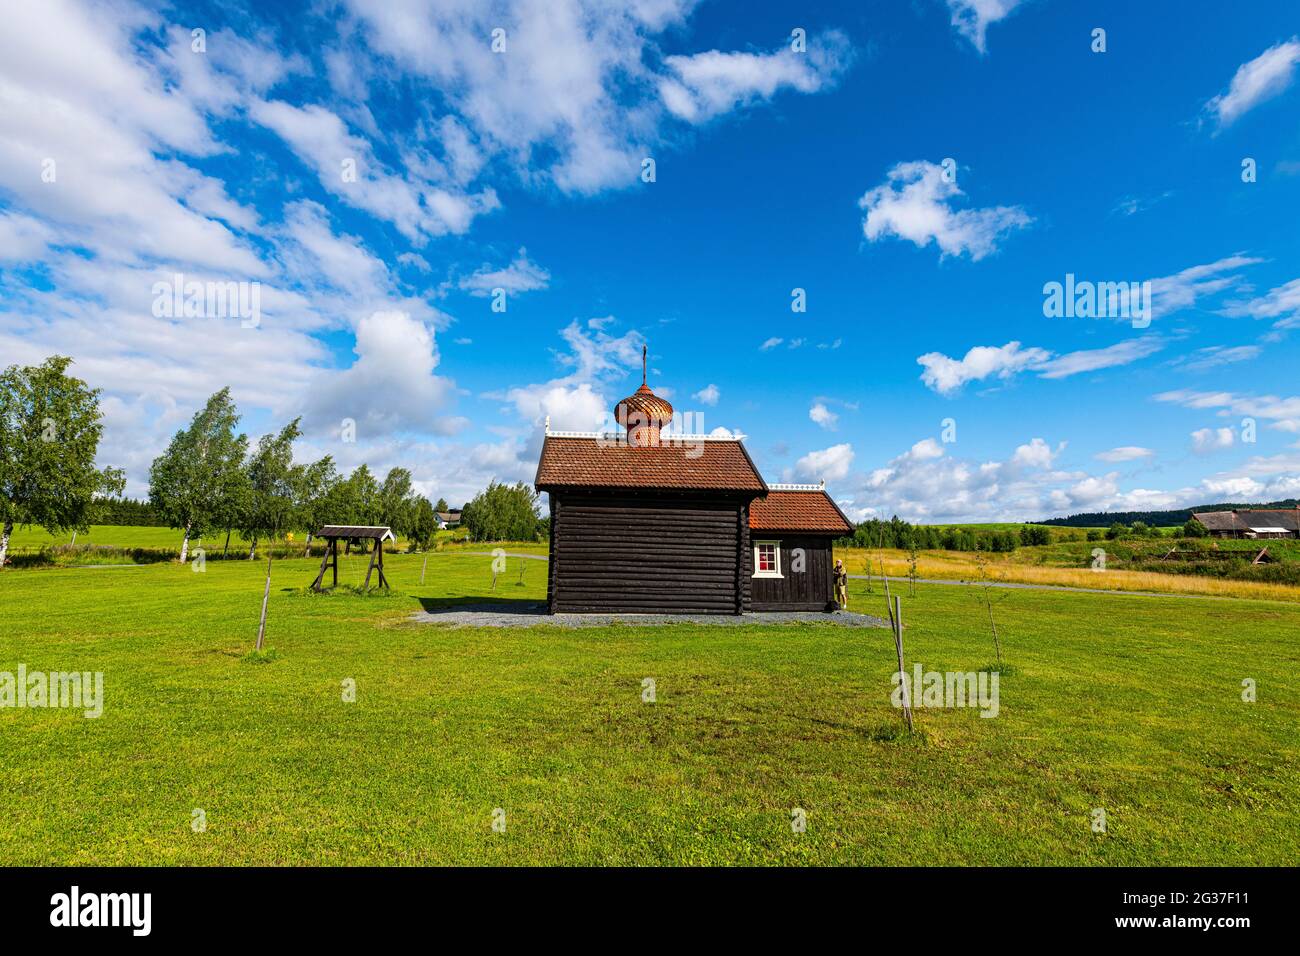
(810, 590)
(646, 554)
(550, 559)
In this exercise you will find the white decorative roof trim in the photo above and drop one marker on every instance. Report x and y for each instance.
(664, 439)
(789, 487)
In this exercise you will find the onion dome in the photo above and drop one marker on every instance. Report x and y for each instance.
(643, 413)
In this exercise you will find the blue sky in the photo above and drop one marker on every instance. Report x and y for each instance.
(133, 149)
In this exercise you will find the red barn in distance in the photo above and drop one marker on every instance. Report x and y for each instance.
(646, 523)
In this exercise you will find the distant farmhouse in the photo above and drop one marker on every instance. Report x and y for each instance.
(447, 519)
(643, 522)
(1251, 522)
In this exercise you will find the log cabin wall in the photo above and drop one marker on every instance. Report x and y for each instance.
(810, 590)
(647, 553)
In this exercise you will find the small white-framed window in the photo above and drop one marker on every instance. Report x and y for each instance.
(767, 559)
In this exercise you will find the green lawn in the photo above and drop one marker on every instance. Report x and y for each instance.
(1125, 703)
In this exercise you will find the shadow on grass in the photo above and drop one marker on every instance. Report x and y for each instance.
(346, 590)
(893, 731)
(86, 556)
(496, 605)
(1004, 669)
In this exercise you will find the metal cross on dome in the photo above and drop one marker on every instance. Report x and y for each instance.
(643, 353)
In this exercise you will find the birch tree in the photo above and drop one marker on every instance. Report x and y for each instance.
(49, 435)
(196, 483)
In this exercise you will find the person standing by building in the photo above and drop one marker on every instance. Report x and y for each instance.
(841, 585)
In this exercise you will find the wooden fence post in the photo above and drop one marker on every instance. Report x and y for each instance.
(902, 670)
(266, 593)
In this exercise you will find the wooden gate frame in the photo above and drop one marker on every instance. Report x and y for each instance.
(333, 532)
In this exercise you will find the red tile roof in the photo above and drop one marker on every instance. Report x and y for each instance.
(798, 511)
(687, 466)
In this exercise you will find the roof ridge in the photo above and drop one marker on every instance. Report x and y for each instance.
(620, 438)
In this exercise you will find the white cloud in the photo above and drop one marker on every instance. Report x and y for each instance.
(576, 99)
(705, 85)
(1255, 81)
(708, 395)
(22, 238)
(1184, 289)
(1284, 413)
(577, 401)
(1090, 360)
(823, 416)
(1206, 440)
(1125, 453)
(1217, 355)
(522, 275)
(390, 387)
(1036, 454)
(915, 203)
(1281, 304)
(973, 17)
(770, 344)
(829, 464)
(925, 450)
(347, 167)
(945, 375)
(1234, 488)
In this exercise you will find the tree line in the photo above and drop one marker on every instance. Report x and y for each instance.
(208, 481)
(905, 536)
(1166, 519)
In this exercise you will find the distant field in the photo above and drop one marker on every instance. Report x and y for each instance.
(1123, 703)
(1058, 533)
(1071, 568)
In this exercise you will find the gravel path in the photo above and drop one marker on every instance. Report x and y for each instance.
(533, 614)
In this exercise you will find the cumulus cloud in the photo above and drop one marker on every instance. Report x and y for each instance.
(579, 97)
(829, 464)
(577, 401)
(946, 375)
(704, 85)
(915, 203)
(1255, 81)
(1036, 454)
(972, 18)
(823, 416)
(521, 275)
(391, 386)
(1205, 440)
(708, 395)
(347, 167)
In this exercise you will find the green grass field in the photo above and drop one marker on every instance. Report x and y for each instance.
(1124, 703)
